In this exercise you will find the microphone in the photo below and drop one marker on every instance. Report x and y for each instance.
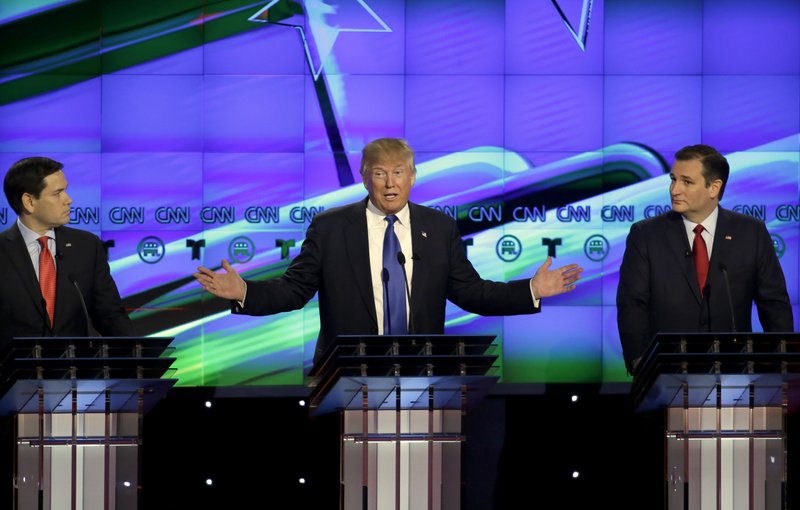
(83, 304)
(415, 257)
(401, 259)
(688, 253)
(724, 269)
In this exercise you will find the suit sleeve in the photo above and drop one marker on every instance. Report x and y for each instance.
(105, 305)
(484, 297)
(633, 298)
(772, 299)
(293, 289)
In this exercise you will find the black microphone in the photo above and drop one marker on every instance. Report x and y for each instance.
(688, 254)
(83, 304)
(724, 269)
(401, 259)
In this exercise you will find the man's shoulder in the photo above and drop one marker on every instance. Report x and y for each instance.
(11, 232)
(76, 234)
(339, 212)
(429, 214)
(656, 222)
(738, 218)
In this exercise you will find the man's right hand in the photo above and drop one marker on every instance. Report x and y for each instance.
(227, 285)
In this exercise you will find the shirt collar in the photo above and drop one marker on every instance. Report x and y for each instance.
(709, 224)
(29, 236)
(376, 217)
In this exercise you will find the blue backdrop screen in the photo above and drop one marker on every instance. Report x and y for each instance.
(195, 131)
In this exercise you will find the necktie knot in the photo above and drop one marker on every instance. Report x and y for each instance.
(391, 219)
(698, 229)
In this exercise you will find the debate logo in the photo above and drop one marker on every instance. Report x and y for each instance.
(241, 249)
(151, 249)
(596, 248)
(508, 248)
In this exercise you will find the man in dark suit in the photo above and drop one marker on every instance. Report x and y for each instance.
(341, 258)
(659, 290)
(36, 190)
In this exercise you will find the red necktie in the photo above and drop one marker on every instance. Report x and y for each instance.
(47, 277)
(700, 254)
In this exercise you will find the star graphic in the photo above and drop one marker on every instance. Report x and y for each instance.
(582, 33)
(324, 21)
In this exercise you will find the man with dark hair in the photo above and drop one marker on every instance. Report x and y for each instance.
(51, 271)
(343, 259)
(680, 267)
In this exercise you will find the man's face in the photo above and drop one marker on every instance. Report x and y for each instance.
(389, 183)
(51, 208)
(688, 191)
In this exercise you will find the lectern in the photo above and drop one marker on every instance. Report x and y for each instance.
(402, 400)
(725, 399)
(78, 405)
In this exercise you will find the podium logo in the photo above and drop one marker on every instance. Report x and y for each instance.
(151, 249)
(508, 248)
(241, 249)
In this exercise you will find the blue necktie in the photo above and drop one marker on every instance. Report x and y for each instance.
(394, 284)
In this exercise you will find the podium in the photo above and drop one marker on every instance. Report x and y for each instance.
(77, 406)
(401, 401)
(725, 398)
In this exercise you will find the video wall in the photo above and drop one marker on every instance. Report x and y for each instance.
(194, 131)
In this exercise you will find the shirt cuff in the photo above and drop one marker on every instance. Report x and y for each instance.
(533, 297)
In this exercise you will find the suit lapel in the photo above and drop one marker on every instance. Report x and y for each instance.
(723, 241)
(17, 253)
(679, 242)
(420, 248)
(357, 252)
(65, 263)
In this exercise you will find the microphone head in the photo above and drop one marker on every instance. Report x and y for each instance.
(401, 258)
(688, 253)
(723, 267)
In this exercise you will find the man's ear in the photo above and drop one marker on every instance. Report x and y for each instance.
(27, 202)
(715, 187)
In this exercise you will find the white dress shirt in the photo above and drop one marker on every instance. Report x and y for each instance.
(376, 229)
(709, 227)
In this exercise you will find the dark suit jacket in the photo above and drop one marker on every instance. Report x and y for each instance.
(80, 257)
(334, 261)
(658, 290)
